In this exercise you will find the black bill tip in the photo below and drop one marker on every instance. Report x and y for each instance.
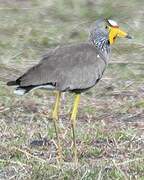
(128, 36)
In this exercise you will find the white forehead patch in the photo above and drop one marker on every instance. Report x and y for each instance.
(112, 22)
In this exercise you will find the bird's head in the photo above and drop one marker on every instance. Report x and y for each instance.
(114, 31)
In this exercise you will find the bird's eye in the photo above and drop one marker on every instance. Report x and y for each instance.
(106, 27)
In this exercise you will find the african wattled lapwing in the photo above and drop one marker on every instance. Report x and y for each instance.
(74, 68)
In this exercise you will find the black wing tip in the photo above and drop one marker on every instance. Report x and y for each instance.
(14, 83)
(11, 83)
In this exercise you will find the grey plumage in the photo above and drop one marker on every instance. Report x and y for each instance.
(73, 68)
(70, 68)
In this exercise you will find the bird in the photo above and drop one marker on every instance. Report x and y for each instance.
(74, 68)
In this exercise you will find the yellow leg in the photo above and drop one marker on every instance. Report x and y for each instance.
(55, 116)
(73, 124)
(55, 113)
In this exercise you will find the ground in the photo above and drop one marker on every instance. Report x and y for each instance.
(110, 126)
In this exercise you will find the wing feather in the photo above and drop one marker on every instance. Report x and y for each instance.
(69, 67)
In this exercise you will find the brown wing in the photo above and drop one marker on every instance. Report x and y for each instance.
(69, 67)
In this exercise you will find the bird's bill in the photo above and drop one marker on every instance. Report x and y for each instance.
(115, 32)
(122, 33)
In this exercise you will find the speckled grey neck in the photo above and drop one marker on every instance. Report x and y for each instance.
(99, 39)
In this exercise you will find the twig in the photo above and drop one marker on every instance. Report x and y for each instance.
(84, 175)
(129, 161)
(119, 169)
(30, 155)
(100, 175)
(13, 162)
(2, 109)
(16, 55)
(135, 43)
(126, 62)
(131, 116)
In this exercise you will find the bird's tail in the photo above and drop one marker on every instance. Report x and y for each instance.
(19, 90)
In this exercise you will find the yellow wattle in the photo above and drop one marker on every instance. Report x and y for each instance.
(115, 32)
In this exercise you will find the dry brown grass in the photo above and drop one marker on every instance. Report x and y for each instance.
(110, 124)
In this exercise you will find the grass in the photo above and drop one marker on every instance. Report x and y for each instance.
(110, 121)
